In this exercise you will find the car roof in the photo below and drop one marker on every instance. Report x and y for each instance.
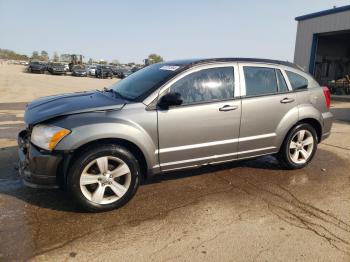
(193, 62)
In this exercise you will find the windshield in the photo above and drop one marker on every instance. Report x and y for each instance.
(142, 81)
(78, 67)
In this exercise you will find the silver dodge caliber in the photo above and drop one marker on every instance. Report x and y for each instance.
(174, 115)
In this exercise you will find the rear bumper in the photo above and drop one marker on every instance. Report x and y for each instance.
(37, 169)
(327, 124)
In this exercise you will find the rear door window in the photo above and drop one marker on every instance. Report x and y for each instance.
(297, 81)
(260, 81)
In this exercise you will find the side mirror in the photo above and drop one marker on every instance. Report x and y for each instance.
(170, 99)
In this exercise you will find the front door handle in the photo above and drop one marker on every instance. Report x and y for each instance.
(287, 100)
(228, 108)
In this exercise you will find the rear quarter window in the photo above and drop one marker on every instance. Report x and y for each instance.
(297, 81)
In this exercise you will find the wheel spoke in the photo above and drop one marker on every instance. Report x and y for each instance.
(118, 189)
(293, 145)
(301, 135)
(304, 153)
(308, 141)
(88, 179)
(102, 164)
(295, 156)
(97, 196)
(121, 170)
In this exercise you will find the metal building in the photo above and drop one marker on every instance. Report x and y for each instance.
(323, 47)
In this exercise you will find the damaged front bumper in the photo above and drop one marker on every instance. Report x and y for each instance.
(37, 168)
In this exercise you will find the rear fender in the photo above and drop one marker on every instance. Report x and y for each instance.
(286, 123)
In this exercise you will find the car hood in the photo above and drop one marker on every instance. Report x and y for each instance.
(53, 106)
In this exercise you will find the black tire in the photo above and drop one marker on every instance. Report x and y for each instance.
(91, 153)
(284, 153)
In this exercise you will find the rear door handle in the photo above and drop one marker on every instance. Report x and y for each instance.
(228, 108)
(287, 100)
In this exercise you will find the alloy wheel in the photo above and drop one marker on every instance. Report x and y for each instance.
(301, 146)
(105, 180)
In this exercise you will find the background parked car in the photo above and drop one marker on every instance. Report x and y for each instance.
(117, 71)
(56, 68)
(92, 70)
(135, 69)
(103, 72)
(79, 70)
(37, 67)
(66, 67)
(125, 72)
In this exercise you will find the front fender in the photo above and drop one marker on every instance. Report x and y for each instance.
(84, 134)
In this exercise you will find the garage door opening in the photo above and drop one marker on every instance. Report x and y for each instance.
(332, 61)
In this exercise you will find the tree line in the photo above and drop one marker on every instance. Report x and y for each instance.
(44, 56)
(11, 55)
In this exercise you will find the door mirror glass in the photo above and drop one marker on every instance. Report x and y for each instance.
(170, 99)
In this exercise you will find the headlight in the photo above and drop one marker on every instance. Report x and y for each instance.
(47, 137)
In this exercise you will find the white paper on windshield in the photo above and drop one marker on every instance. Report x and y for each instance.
(169, 68)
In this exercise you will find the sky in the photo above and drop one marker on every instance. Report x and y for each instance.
(131, 30)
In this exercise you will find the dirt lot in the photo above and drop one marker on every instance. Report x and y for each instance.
(245, 211)
(17, 88)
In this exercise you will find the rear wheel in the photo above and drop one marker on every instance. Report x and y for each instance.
(299, 147)
(104, 178)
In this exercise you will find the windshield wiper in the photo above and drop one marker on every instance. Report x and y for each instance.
(117, 94)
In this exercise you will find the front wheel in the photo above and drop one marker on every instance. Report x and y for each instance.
(104, 178)
(299, 147)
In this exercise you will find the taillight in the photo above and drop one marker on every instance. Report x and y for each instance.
(327, 95)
